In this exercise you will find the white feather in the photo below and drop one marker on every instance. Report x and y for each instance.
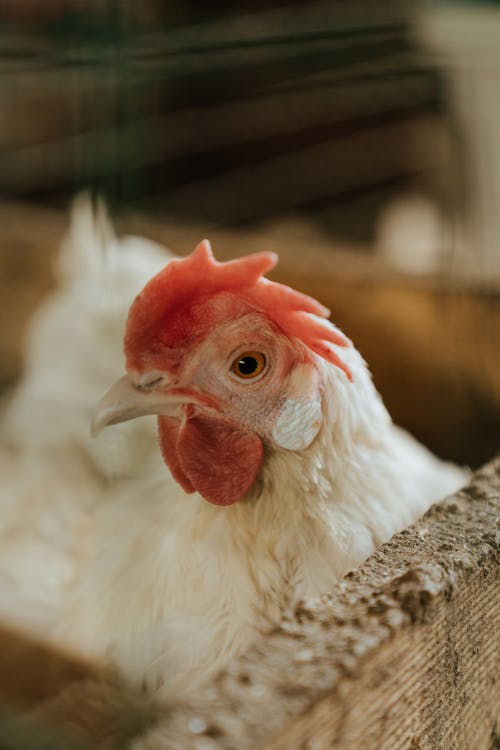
(102, 551)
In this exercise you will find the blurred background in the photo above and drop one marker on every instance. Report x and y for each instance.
(360, 140)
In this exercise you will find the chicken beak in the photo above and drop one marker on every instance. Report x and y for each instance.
(124, 401)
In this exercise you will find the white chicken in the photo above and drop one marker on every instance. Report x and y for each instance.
(264, 407)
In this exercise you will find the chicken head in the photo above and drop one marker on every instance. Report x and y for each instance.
(227, 360)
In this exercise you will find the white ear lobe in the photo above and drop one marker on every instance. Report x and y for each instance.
(300, 417)
(298, 422)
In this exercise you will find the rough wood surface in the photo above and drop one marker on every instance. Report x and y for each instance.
(401, 655)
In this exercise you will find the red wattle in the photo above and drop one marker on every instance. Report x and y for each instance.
(212, 456)
(168, 430)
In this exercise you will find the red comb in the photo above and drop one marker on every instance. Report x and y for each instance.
(182, 282)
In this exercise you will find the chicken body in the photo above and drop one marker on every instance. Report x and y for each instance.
(104, 552)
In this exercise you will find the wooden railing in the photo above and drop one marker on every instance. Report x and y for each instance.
(404, 654)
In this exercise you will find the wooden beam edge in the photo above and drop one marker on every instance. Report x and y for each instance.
(397, 601)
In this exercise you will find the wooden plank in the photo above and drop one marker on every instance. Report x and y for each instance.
(401, 655)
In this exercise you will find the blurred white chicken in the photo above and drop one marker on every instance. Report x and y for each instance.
(265, 408)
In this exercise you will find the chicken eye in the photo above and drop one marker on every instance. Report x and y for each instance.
(248, 365)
